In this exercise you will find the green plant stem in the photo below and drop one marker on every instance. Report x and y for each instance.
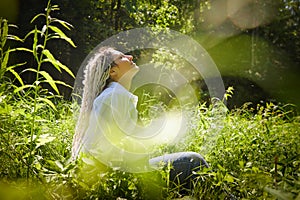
(37, 90)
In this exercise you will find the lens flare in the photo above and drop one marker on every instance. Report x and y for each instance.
(128, 146)
(248, 14)
(225, 18)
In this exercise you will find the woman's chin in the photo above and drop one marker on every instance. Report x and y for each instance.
(135, 68)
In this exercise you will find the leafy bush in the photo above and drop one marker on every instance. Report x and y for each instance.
(252, 154)
(29, 111)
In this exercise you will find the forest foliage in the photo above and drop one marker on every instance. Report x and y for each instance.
(253, 43)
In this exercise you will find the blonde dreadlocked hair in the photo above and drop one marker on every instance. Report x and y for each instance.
(96, 76)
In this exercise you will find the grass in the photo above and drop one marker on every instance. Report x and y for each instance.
(252, 154)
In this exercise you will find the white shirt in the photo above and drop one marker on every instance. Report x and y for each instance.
(113, 122)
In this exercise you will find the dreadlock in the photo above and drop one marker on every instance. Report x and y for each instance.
(96, 77)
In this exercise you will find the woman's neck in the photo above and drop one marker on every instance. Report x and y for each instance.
(126, 79)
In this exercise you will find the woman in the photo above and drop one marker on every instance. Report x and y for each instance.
(107, 124)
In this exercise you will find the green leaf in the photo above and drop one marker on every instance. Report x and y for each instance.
(1, 99)
(47, 101)
(50, 80)
(18, 89)
(221, 168)
(21, 49)
(4, 32)
(35, 41)
(30, 69)
(14, 37)
(229, 178)
(58, 82)
(12, 25)
(241, 164)
(4, 61)
(62, 35)
(58, 65)
(44, 139)
(51, 59)
(39, 46)
(16, 65)
(54, 7)
(31, 32)
(35, 17)
(16, 75)
(53, 36)
(63, 83)
(65, 68)
(64, 23)
(59, 165)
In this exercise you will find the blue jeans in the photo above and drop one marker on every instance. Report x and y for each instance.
(182, 166)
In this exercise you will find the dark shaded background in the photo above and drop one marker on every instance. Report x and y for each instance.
(261, 61)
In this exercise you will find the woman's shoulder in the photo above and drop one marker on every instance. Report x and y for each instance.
(105, 95)
(114, 91)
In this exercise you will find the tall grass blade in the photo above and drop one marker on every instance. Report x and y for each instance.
(49, 80)
(58, 65)
(14, 37)
(64, 84)
(22, 88)
(31, 32)
(44, 139)
(64, 67)
(21, 49)
(16, 75)
(64, 23)
(4, 64)
(35, 41)
(35, 17)
(62, 35)
(51, 59)
(4, 32)
(47, 101)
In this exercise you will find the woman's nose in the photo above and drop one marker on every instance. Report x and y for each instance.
(130, 57)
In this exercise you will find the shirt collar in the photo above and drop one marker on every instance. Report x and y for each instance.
(133, 97)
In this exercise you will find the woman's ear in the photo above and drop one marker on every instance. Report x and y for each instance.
(113, 73)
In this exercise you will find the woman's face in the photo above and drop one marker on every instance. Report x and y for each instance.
(124, 64)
